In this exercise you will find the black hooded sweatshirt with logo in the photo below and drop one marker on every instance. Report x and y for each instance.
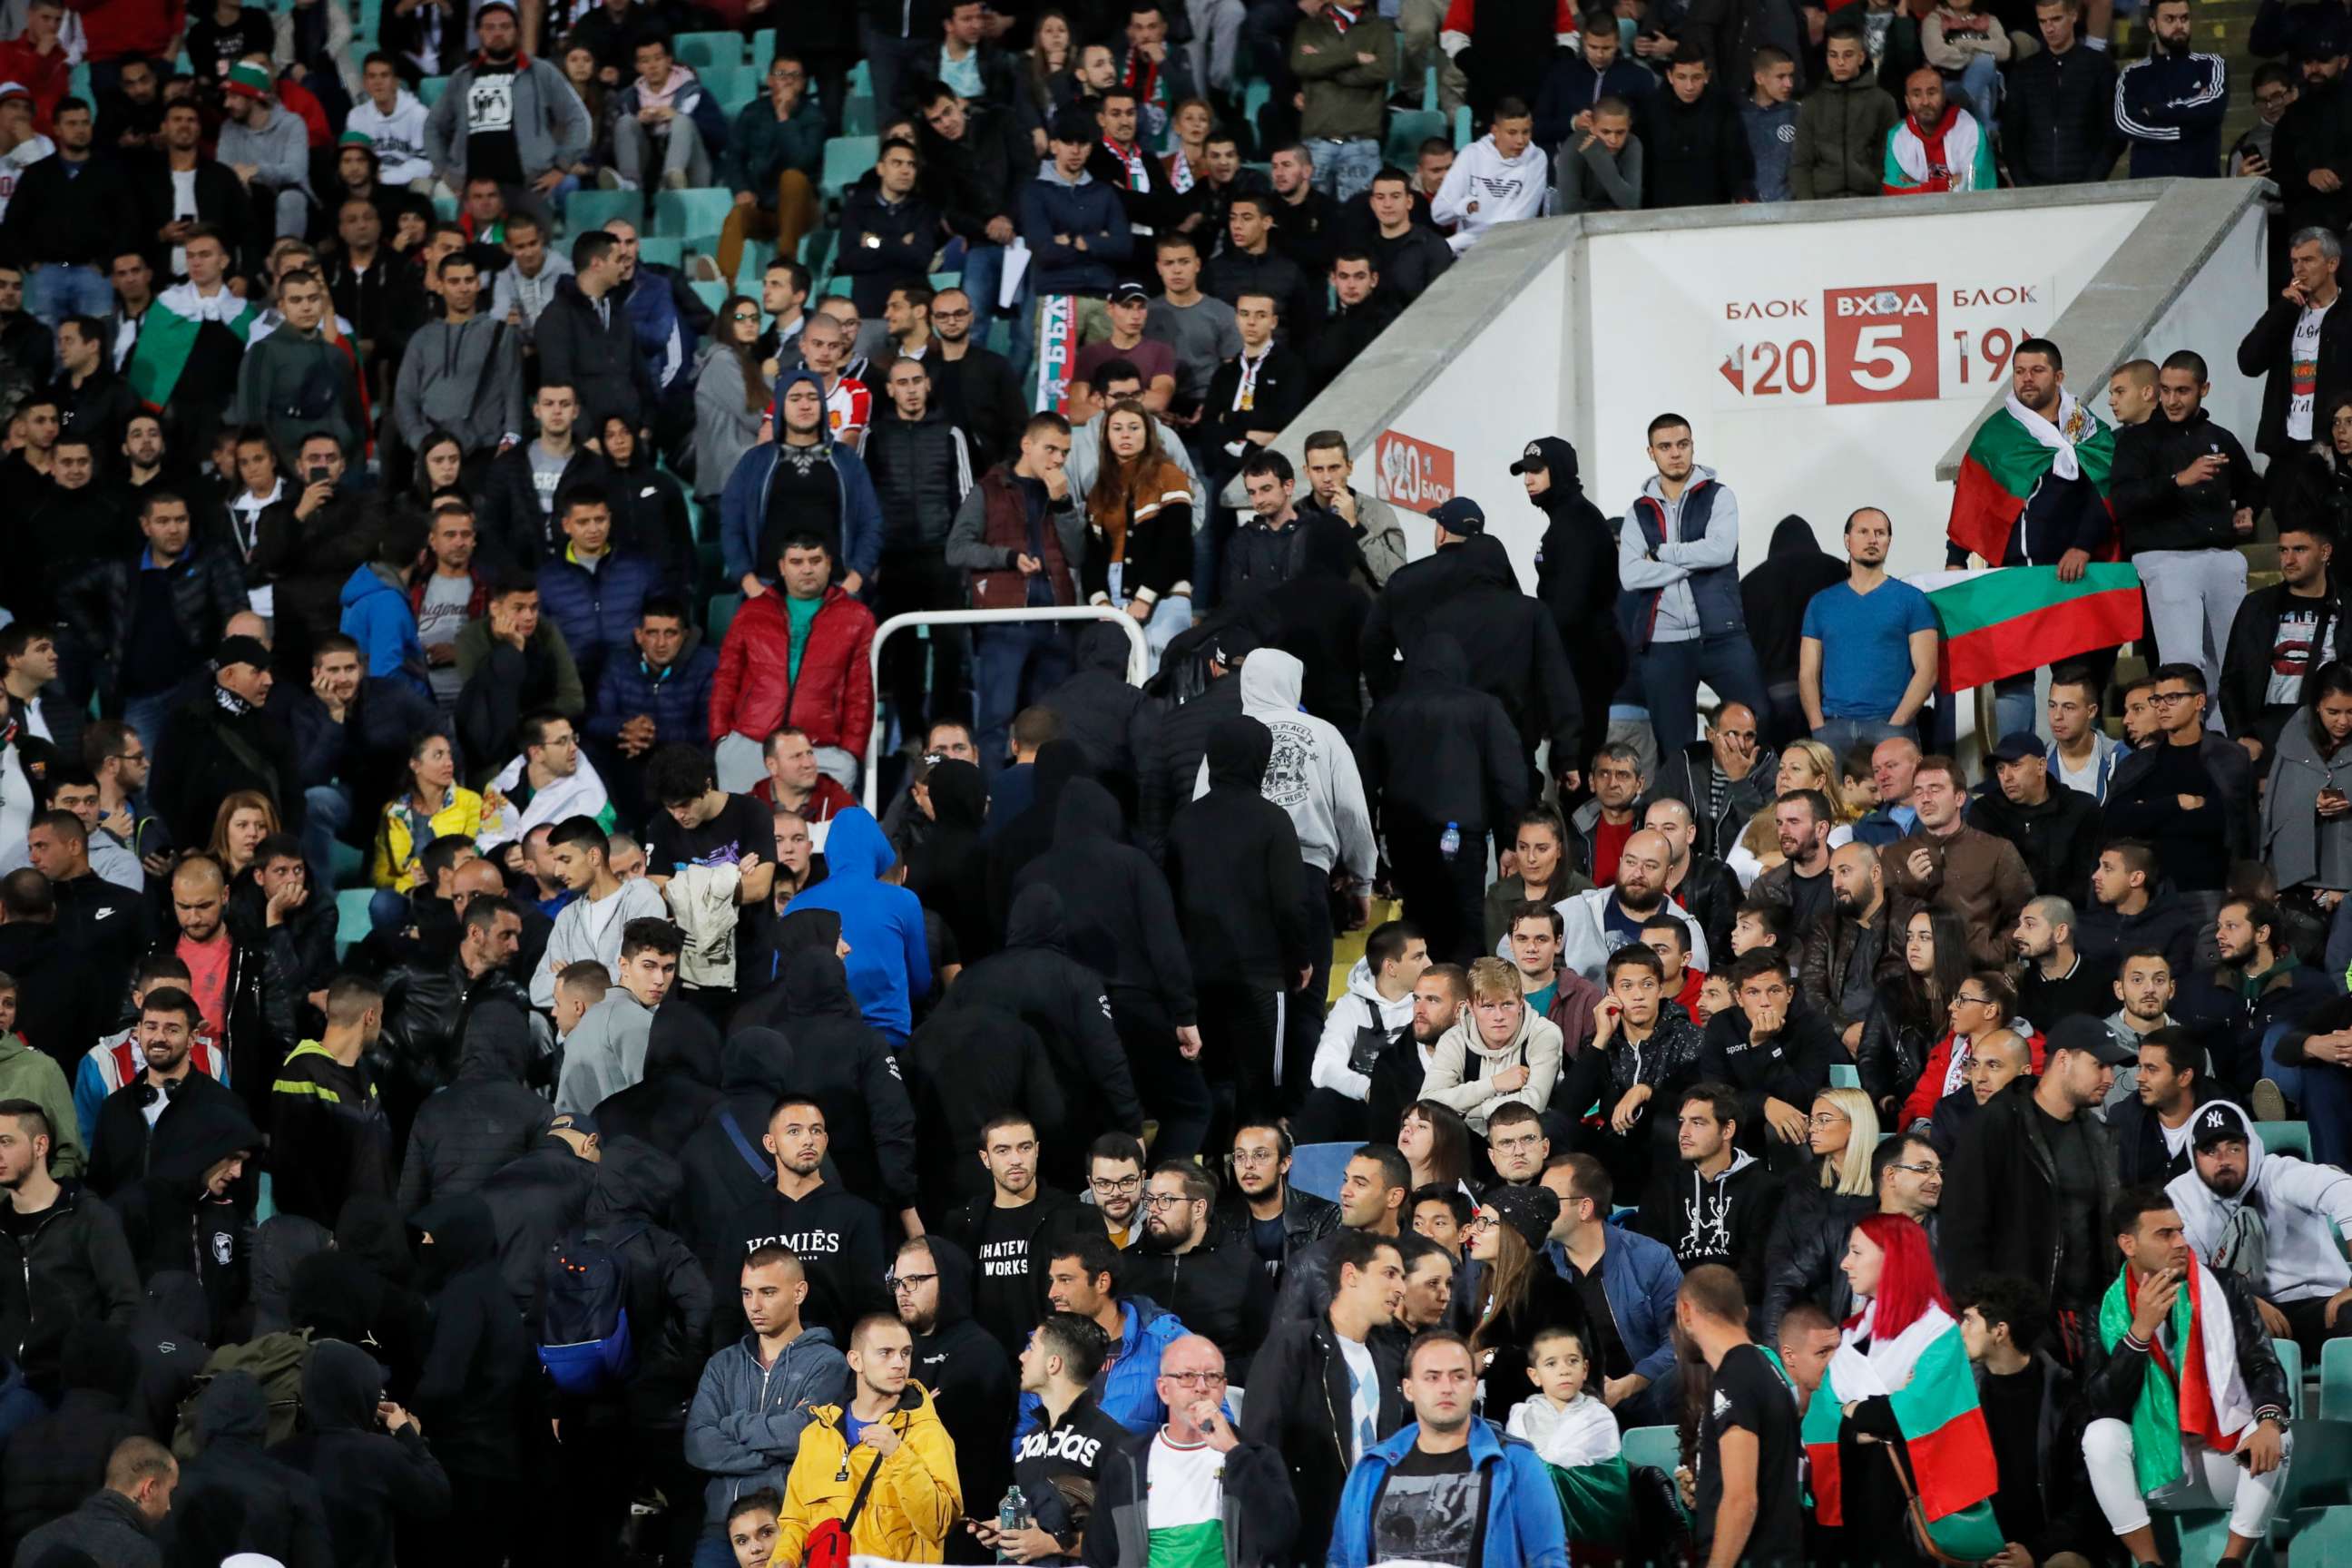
(972, 1388)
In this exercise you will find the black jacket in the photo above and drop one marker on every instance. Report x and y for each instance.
(1792, 1068)
(595, 352)
(515, 532)
(1117, 902)
(1234, 867)
(2112, 1391)
(2166, 924)
(668, 1294)
(221, 202)
(484, 1118)
(429, 1012)
(2142, 1158)
(1437, 750)
(969, 1064)
(278, 1509)
(1305, 1413)
(72, 1266)
(307, 561)
(1306, 1220)
(1344, 334)
(1694, 154)
(1710, 894)
(1218, 1289)
(472, 1381)
(57, 1012)
(1809, 1237)
(1772, 597)
(199, 1111)
(755, 1066)
(1036, 978)
(2246, 706)
(2152, 510)
(1108, 720)
(2058, 126)
(1174, 771)
(2266, 350)
(1259, 558)
(976, 179)
(80, 219)
(171, 1221)
(533, 1201)
(1576, 576)
(983, 397)
(1726, 1220)
(216, 751)
(1316, 616)
(261, 1006)
(1410, 263)
(921, 470)
(2233, 773)
(52, 1462)
(680, 1086)
(2058, 840)
(852, 1074)
(884, 244)
(368, 1480)
(1824, 959)
(971, 1381)
(1997, 1214)
(1261, 1516)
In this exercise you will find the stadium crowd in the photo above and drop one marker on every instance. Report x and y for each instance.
(477, 1086)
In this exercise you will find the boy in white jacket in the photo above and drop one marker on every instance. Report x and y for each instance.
(1500, 178)
(1568, 1426)
(392, 118)
(1379, 1005)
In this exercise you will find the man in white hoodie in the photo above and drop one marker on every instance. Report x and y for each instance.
(1373, 1018)
(1501, 177)
(2265, 1217)
(1598, 920)
(550, 780)
(394, 119)
(1500, 1051)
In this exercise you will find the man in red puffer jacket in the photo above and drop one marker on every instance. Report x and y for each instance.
(797, 655)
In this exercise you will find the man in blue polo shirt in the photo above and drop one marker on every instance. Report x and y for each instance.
(1868, 659)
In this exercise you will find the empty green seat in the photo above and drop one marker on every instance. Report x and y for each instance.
(711, 294)
(587, 210)
(702, 210)
(662, 250)
(1408, 129)
(847, 158)
(352, 917)
(700, 50)
(731, 82)
(858, 117)
(2290, 1356)
(2287, 1138)
(429, 91)
(2336, 1381)
(719, 615)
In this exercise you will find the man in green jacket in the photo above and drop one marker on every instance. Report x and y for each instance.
(28, 1074)
(297, 380)
(1841, 125)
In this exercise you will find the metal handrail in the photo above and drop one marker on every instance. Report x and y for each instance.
(1138, 659)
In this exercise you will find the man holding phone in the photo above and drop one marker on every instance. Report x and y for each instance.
(1160, 1501)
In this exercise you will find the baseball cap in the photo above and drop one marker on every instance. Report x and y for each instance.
(2085, 1033)
(2018, 746)
(2218, 1121)
(1130, 294)
(1533, 457)
(496, 6)
(581, 1122)
(10, 89)
(1459, 515)
(241, 650)
(1232, 644)
(356, 139)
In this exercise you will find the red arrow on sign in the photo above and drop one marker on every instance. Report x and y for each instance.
(1733, 373)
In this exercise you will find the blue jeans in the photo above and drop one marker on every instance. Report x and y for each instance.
(327, 811)
(54, 290)
(1841, 735)
(388, 909)
(1670, 673)
(1344, 169)
(2014, 705)
(983, 275)
(149, 715)
(1009, 665)
(1977, 87)
(713, 1551)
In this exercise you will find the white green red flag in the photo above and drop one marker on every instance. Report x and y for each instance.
(2006, 620)
(2008, 457)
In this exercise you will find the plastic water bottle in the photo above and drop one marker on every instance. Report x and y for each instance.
(1012, 1514)
(1449, 843)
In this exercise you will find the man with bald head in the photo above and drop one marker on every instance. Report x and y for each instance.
(246, 994)
(1193, 1481)
(1892, 764)
(1699, 882)
(1837, 959)
(1866, 657)
(1600, 921)
(1725, 779)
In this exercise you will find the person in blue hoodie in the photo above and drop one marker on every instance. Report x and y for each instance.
(1499, 1503)
(1578, 81)
(1075, 226)
(779, 484)
(377, 615)
(889, 962)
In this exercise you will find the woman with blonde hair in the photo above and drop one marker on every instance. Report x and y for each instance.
(246, 818)
(1804, 764)
(1842, 1134)
(1138, 548)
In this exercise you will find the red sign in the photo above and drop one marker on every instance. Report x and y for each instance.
(1879, 343)
(1413, 473)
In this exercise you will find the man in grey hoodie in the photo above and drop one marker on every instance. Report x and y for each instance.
(605, 1052)
(268, 149)
(506, 116)
(462, 373)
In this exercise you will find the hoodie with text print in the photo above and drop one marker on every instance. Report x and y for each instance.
(1725, 1218)
(1485, 188)
(1312, 774)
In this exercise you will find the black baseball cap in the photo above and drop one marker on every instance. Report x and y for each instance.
(2018, 746)
(1459, 515)
(2220, 1121)
(1130, 294)
(2084, 1033)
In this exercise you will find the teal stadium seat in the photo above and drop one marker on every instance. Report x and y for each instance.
(661, 250)
(846, 158)
(700, 50)
(711, 294)
(2290, 1355)
(731, 82)
(429, 91)
(719, 615)
(351, 918)
(1408, 129)
(700, 211)
(1845, 1076)
(2287, 1138)
(858, 117)
(2335, 1383)
(587, 210)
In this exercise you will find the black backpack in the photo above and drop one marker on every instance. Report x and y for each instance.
(584, 1339)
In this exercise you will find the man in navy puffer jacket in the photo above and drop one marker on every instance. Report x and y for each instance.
(593, 593)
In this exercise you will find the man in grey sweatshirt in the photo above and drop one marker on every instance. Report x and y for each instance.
(268, 148)
(506, 116)
(462, 373)
(1599, 169)
(605, 1052)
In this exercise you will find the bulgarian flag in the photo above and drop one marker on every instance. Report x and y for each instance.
(169, 333)
(2008, 619)
(2196, 1389)
(1923, 1373)
(2012, 453)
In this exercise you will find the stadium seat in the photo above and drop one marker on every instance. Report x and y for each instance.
(1658, 1447)
(1317, 1168)
(1408, 129)
(861, 79)
(846, 158)
(731, 82)
(429, 91)
(718, 616)
(700, 50)
(763, 49)
(2335, 1383)
(2290, 1355)
(1462, 136)
(352, 917)
(711, 294)
(662, 250)
(943, 281)
(585, 210)
(700, 211)
(858, 117)
(2287, 1138)
(1845, 1076)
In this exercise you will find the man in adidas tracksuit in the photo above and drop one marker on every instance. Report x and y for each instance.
(2169, 105)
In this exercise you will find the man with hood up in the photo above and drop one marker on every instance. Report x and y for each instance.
(971, 1064)
(1773, 599)
(476, 1384)
(1036, 978)
(537, 1198)
(802, 478)
(1234, 866)
(466, 1134)
(1576, 578)
(279, 1511)
(1110, 721)
(372, 1467)
(680, 1085)
(889, 962)
(191, 1207)
(2265, 1217)
(49, 1463)
(722, 1162)
(970, 1378)
(1440, 754)
(1122, 919)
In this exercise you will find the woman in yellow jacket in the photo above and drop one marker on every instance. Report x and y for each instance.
(915, 1500)
(433, 806)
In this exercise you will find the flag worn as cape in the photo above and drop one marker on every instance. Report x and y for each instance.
(1923, 1373)
(168, 334)
(2004, 620)
(2199, 1393)
(2011, 455)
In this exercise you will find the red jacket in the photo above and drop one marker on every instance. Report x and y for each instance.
(823, 801)
(118, 28)
(48, 77)
(833, 700)
(1921, 1106)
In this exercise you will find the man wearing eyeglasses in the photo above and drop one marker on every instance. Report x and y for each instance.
(2189, 793)
(968, 1373)
(1008, 1231)
(1191, 1491)
(1084, 1277)
(1186, 1265)
(1907, 1175)
(1272, 1218)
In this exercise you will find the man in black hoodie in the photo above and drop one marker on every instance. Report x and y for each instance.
(1013, 1231)
(1440, 754)
(969, 1375)
(1774, 1052)
(1717, 1203)
(277, 1507)
(1576, 577)
(487, 1118)
(680, 1085)
(836, 1233)
(1111, 722)
(429, 1008)
(192, 1204)
(1694, 149)
(969, 1064)
(536, 1198)
(473, 1388)
(1772, 600)
(850, 1072)
(220, 739)
(723, 1161)
(1174, 769)
(372, 1468)
(1186, 1264)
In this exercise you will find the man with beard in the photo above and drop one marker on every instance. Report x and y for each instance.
(142, 1123)
(836, 1234)
(2151, 1127)
(61, 1251)
(1056, 1465)
(2260, 982)
(1267, 1212)
(2057, 982)
(1946, 862)
(1218, 1291)
(1698, 882)
(2281, 635)
(2267, 1218)
(2170, 104)
(1800, 822)
(2143, 983)
(329, 1138)
(2056, 831)
(968, 1373)
(1115, 1176)
(1605, 918)
(1012, 1230)
(1837, 959)
(506, 116)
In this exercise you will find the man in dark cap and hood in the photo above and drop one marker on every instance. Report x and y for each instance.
(280, 1513)
(724, 1167)
(969, 1375)
(371, 1466)
(1576, 577)
(221, 740)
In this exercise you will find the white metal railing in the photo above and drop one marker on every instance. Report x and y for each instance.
(1138, 660)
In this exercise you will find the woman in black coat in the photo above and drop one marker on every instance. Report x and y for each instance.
(1515, 1293)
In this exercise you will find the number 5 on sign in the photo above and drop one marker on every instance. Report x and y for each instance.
(1879, 343)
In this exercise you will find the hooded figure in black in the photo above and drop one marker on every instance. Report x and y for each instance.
(1233, 863)
(680, 1085)
(723, 1163)
(1320, 612)
(172, 1334)
(949, 868)
(1036, 979)
(852, 1074)
(191, 1211)
(367, 1479)
(533, 1201)
(766, 951)
(1576, 577)
(972, 1383)
(50, 1464)
(970, 1063)
(1108, 720)
(465, 1133)
(365, 1291)
(480, 1376)
(1012, 844)
(1773, 598)
(1116, 901)
(1438, 751)
(279, 1512)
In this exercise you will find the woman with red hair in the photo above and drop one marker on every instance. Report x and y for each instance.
(1900, 1385)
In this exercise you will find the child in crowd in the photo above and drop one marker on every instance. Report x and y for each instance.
(1576, 1434)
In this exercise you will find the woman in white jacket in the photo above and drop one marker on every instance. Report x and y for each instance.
(1500, 1051)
